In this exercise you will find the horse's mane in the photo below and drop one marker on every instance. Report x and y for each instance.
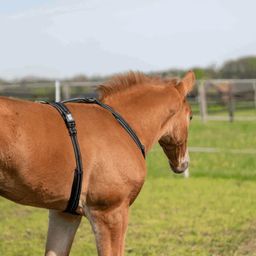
(128, 80)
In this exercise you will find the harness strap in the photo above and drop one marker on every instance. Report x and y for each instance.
(78, 174)
(117, 116)
(71, 126)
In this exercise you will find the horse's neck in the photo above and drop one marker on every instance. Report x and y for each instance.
(145, 114)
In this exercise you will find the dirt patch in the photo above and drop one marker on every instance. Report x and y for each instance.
(248, 246)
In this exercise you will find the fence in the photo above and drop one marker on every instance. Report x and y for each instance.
(51, 90)
(221, 99)
(211, 99)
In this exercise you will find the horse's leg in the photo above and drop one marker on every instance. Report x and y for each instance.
(109, 227)
(61, 232)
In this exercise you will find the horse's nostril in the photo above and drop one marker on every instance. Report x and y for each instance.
(184, 165)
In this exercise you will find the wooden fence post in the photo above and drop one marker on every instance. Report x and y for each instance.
(186, 174)
(202, 101)
(254, 88)
(231, 103)
(57, 91)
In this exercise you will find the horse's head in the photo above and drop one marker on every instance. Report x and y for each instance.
(174, 139)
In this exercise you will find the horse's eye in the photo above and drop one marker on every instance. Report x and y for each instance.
(191, 117)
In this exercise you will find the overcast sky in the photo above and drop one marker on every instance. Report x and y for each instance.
(61, 38)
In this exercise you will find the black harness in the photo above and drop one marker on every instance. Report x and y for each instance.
(71, 126)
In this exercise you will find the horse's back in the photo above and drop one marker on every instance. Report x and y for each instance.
(36, 157)
(41, 160)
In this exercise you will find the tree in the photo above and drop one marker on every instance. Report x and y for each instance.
(242, 68)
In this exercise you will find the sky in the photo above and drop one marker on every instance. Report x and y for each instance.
(60, 38)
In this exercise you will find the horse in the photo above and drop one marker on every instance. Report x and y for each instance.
(37, 159)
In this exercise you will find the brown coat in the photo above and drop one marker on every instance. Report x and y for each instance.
(37, 159)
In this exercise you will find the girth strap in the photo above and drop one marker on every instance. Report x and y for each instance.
(78, 174)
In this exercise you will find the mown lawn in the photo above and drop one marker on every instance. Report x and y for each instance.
(211, 213)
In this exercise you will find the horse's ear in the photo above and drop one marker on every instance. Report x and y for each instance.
(185, 86)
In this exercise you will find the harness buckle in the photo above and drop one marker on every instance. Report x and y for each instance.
(71, 124)
(91, 100)
(69, 118)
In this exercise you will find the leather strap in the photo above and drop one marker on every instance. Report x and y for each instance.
(71, 126)
(117, 116)
(78, 174)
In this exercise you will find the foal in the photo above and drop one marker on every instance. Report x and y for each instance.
(37, 161)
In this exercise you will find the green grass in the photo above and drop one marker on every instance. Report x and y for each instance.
(226, 136)
(212, 213)
(221, 135)
(241, 109)
(181, 217)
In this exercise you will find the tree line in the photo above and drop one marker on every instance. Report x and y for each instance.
(242, 68)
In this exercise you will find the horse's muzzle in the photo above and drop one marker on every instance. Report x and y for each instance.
(179, 169)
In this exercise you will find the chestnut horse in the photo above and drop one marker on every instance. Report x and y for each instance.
(37, 159)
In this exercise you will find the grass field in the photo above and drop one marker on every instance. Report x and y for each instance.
(211, 213)
(242, 110)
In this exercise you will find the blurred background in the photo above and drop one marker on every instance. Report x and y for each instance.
(54, 50)
(76, 45)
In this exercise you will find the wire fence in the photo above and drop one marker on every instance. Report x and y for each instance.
(211, 99)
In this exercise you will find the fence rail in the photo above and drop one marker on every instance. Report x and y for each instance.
(217, 99)
(225, 99)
